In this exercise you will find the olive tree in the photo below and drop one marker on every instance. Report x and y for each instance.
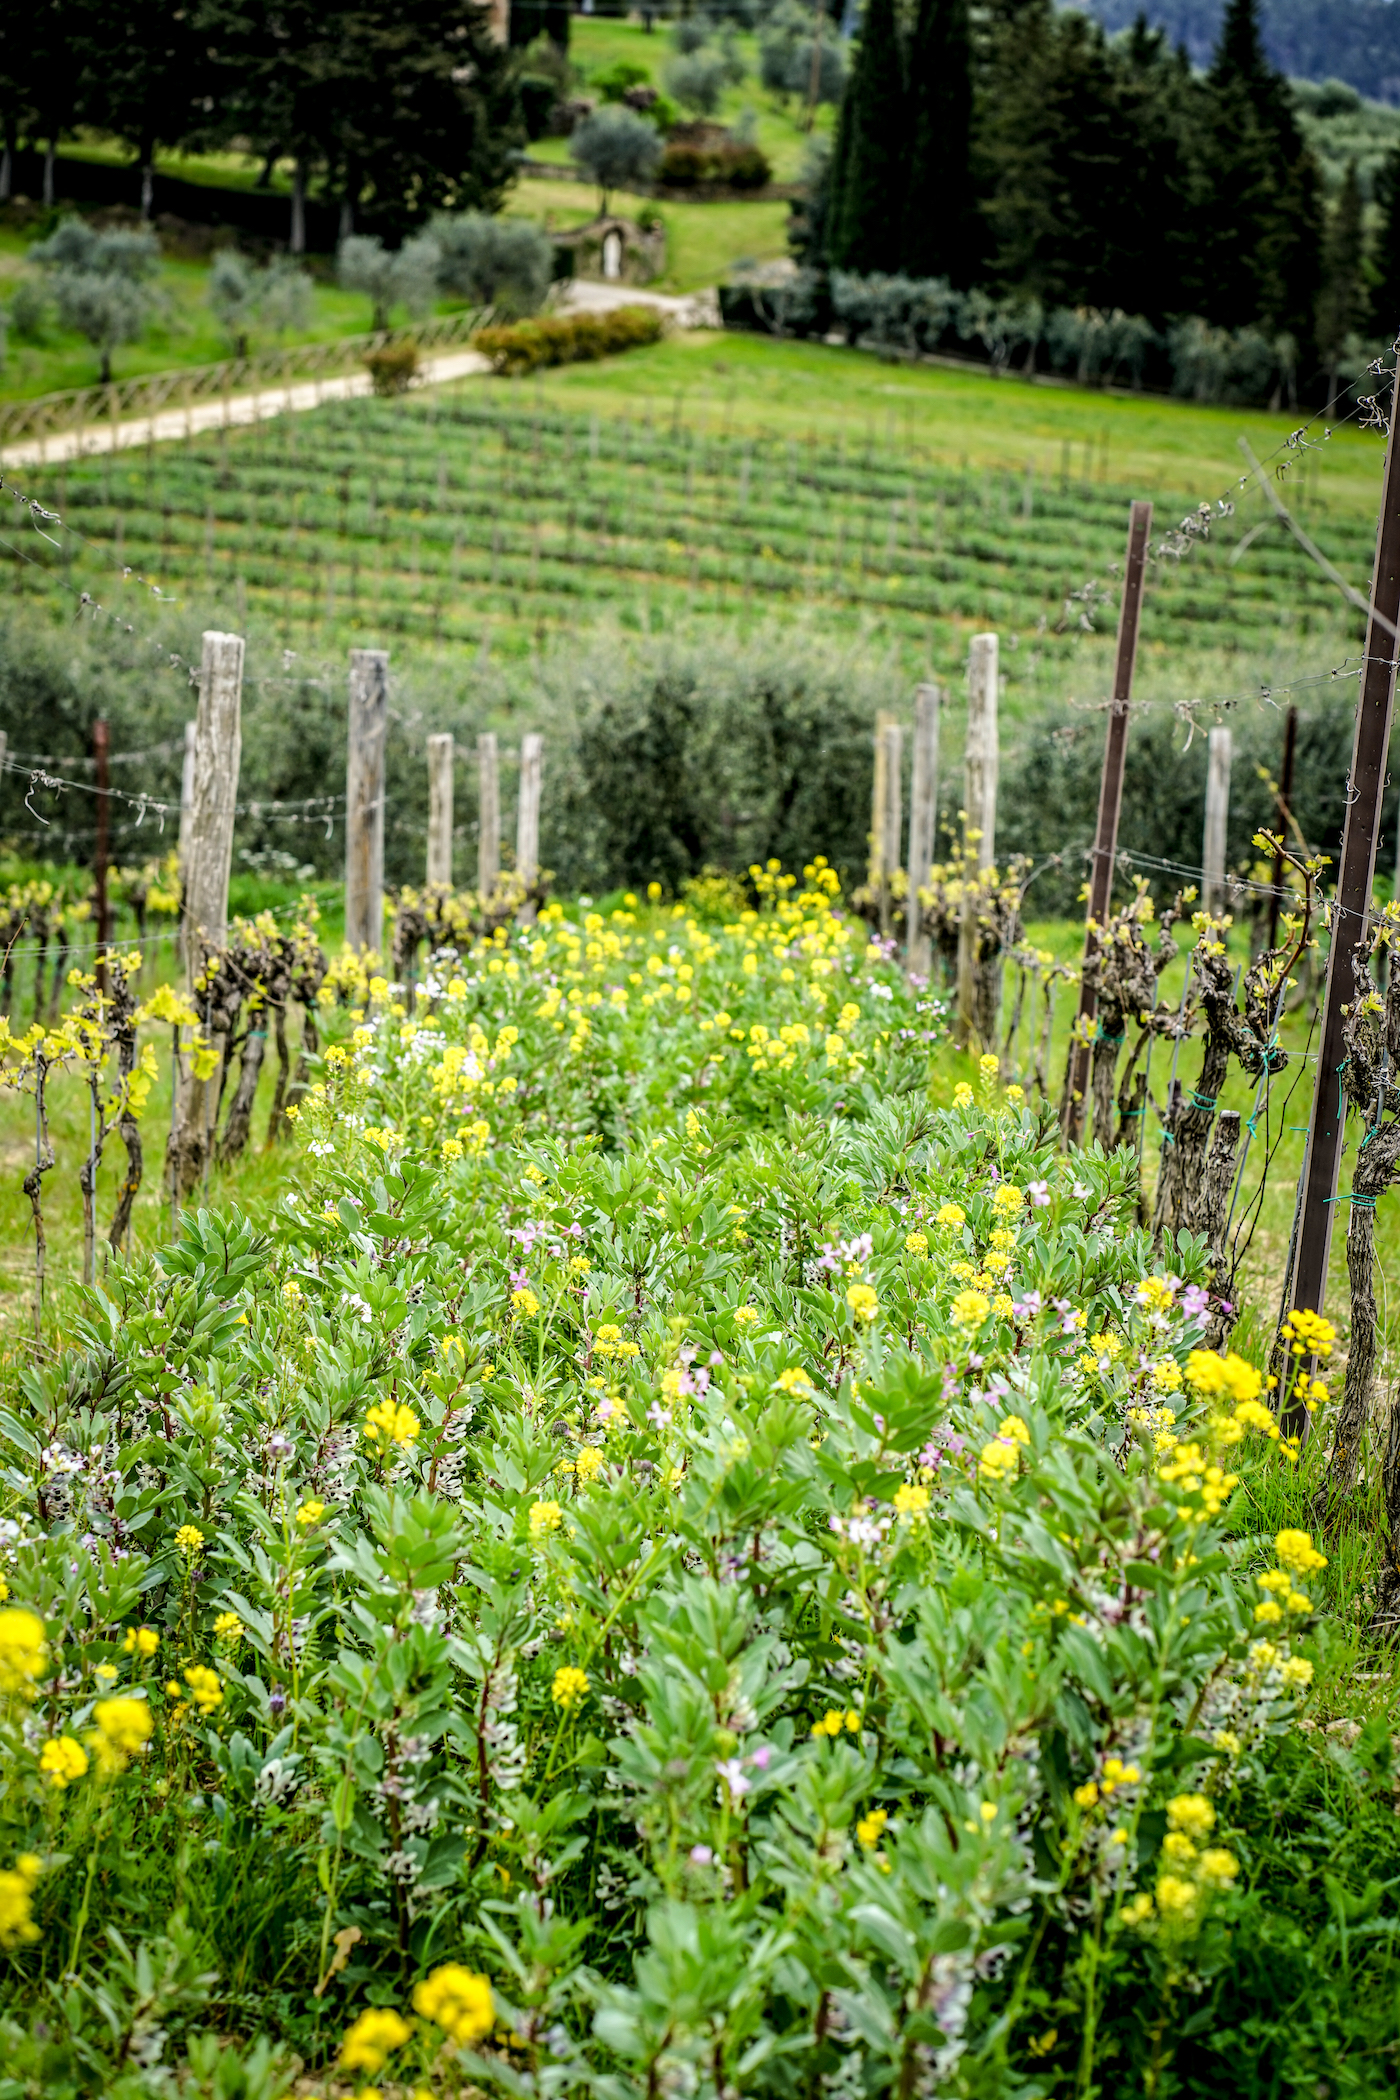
(617, 147)
(101, 283)
(390, 277)
(503, 263)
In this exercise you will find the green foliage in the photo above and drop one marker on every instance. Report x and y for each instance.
(632, 1562)
(618, 148)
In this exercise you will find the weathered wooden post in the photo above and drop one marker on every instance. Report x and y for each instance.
(877, 797)
(488, 850)
(1306, 1285)
(527, 825)
(981, 763)
(364, 799)
(1281, 817)
(923, 823)
(1219, 748)
(186, 794)
(218, 749)
(440, 759)
(1110, 802)
(891, 819)
(102, 916)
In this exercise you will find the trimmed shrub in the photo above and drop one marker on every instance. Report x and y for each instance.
(568, 339)
(392, 369)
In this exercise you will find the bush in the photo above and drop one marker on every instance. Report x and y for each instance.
(567, 339)
(538, 96)
(736, 162)
(407, 276)
(393, 368)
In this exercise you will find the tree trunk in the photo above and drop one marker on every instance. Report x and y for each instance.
(297, 243)
(310, 1044)
(49, 152)
(1102, 1074)
(148, 179)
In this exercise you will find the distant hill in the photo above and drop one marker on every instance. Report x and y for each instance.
(1353, 40)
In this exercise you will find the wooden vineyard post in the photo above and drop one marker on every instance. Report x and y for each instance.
(218, 747)
(877, 798)
(1221, 749)
(891, 819)
(1115, 751)
(102, 918)
(1307, 1287)
(364, 799)
(440, 759)
(923, 823)
(980, 767)
(1281, 817)
(186, 795)
(527, 819)
(488, 851)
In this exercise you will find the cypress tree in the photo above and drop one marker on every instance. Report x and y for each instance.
(1343, 302)
(940, 224)
(1385, 262)
(871, 167)
(1261, 219)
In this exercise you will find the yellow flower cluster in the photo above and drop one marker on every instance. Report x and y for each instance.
(22, 1649)
(17, 1885)
(834, 1721)
(1001, 1458)
(391, 1422)
(569, 1687)
(373, 2038)
(458, 2001)
(871, 1828)
(862, 1300)
(122, 1728)
(544, 1518)
(61, 1761)
(608, 1342)
(1194, 1474)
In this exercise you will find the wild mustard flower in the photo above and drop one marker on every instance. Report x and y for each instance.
(22, 1648)
(569, 1687)
(373, 2038)
(863, 1301)
(458, 2001)
(969, 1309)
(871, 1827)
(916, 1243)
(142, 1641)
(189, 1540)
(544, 1517)
(62, 1760)
(1297, 1553)
(122, 1729)
(17, 1885)
(391, 1422)
(310, 1512)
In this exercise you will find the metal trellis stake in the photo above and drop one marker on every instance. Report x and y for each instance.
(1110, 800)
(1350, 909)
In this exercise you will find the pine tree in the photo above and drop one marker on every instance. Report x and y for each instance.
(940, 219)
(871, 167)
(1385, 259)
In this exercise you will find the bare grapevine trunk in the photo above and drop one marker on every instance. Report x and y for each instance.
(130, 1130)
(1216, 1184)
(277, 1122)
(240, 1113)
(1385, 1620)
(1184, 1145)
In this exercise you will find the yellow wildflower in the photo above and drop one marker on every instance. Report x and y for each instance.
(544, 1516)
(862, 1301)
(373, 2038)
(205, 1688)
(22, 1648)
(458, 2001)
(391, 1422)
(62, 1761)
(122, 1731)
(871, 1828)
(16, 1890)
(569, 1687)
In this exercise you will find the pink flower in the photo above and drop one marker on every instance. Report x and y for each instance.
(732, 1773)
(1039, 1193)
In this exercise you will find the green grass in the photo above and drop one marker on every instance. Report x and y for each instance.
(704, 241)
(730, 477)
(597, 42)
(185, 331)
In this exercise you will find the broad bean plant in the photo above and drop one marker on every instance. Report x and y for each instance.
(668, 1562)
